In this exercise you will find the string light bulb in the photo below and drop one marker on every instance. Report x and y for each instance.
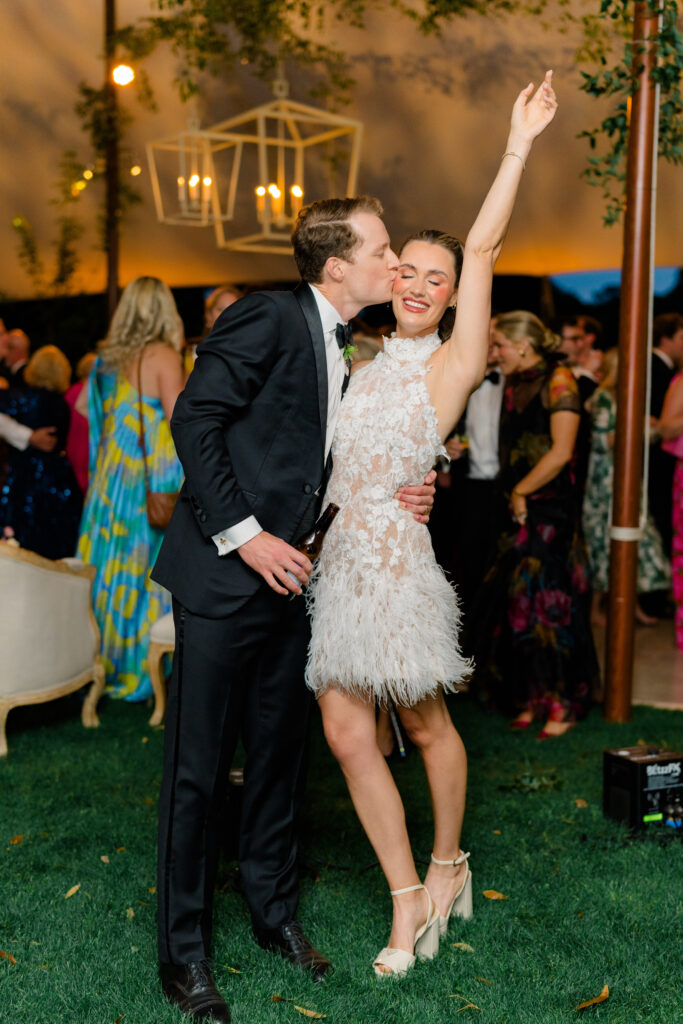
(123, 74)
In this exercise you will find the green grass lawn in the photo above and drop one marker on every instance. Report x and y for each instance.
(587, 905)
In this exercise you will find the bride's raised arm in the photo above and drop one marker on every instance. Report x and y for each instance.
(462, 359)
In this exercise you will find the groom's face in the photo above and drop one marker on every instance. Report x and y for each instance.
(369, 275)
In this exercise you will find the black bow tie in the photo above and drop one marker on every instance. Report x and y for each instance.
(343, 335)
(493, 376)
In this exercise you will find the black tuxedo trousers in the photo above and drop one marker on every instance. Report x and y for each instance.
(260, 695)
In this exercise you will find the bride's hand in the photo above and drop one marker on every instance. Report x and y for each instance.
(532, 113)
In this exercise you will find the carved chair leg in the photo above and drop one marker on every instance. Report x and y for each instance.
(4, 711)
(89, 715)
(154, 663)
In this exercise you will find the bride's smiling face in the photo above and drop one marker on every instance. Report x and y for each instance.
(423, 289)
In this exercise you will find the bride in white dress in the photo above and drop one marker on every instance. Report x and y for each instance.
(384, 617)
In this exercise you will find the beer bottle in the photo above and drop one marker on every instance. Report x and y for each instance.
(312, 543)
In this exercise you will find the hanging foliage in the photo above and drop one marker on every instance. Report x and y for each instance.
(608, 142)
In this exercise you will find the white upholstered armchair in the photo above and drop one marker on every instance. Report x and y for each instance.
(49, 640)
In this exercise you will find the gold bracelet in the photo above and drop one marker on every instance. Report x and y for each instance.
(510, 153)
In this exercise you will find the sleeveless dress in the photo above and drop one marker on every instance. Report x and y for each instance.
(384, 618)
(39, 498)
(115, 535)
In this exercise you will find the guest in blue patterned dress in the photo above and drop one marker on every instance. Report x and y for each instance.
(40, 499)
(145, 338)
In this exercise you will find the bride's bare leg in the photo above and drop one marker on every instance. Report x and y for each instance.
(430, 728)
(351, 734)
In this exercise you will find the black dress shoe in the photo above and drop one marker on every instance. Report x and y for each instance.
(291, 943)
(191, 987)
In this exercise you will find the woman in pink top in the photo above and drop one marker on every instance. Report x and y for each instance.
(77, 438)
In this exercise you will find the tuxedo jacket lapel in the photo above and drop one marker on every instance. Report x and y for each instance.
(309, 308)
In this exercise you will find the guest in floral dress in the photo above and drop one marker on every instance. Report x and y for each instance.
(534, 651)
(654, 571)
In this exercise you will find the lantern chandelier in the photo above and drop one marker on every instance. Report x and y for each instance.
(281, 148)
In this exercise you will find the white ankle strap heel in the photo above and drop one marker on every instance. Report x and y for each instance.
(426, 946)
(461, 904)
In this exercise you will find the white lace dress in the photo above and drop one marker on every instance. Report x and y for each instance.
(384, 617)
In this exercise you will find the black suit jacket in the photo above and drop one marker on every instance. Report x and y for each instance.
(661, 378)
(249, 429)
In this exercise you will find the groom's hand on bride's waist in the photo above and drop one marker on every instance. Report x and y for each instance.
(418, 500)
(272, 558)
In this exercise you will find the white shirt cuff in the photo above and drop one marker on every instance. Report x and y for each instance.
(14, 433)
(237, 535)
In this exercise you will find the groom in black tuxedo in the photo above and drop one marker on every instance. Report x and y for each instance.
(253, 430)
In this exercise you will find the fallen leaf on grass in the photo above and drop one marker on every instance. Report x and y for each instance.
(104, 858)
(477, 978)
(581, 803)
(152, 889)
(72, 890)
(580, 913)
(491, 894)
(119, 1019)
(497, 832)
(234, 970)
(300, 1009)
(145, 739)
(15, 840)
(598, 999)
(469, 1005)
(148, 800)
(7, 956)
(130, 913)
(33, 943)
(42, 967)
(120, 849)
(464, 946)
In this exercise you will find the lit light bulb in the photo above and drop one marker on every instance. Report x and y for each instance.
(297, 194)
(274, 191)
(135, 170)
(123, 74)
(80, 185)
(194, 181)
(260, 191)
(87, 174)
(206, 181)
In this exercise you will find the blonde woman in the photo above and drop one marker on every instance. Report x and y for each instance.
(654, 571)
(40, 499)
(530, 626)
(143, 344)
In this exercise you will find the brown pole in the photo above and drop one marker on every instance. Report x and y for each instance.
(634, 325)
(111, 159)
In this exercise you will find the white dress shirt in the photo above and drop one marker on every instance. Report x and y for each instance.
(227, 540)
(482, 421)
(14, 433)
(665, 357)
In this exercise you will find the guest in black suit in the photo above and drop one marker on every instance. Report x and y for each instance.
(253, 430)
(580, 337)
(18, 349)
(465, 506)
